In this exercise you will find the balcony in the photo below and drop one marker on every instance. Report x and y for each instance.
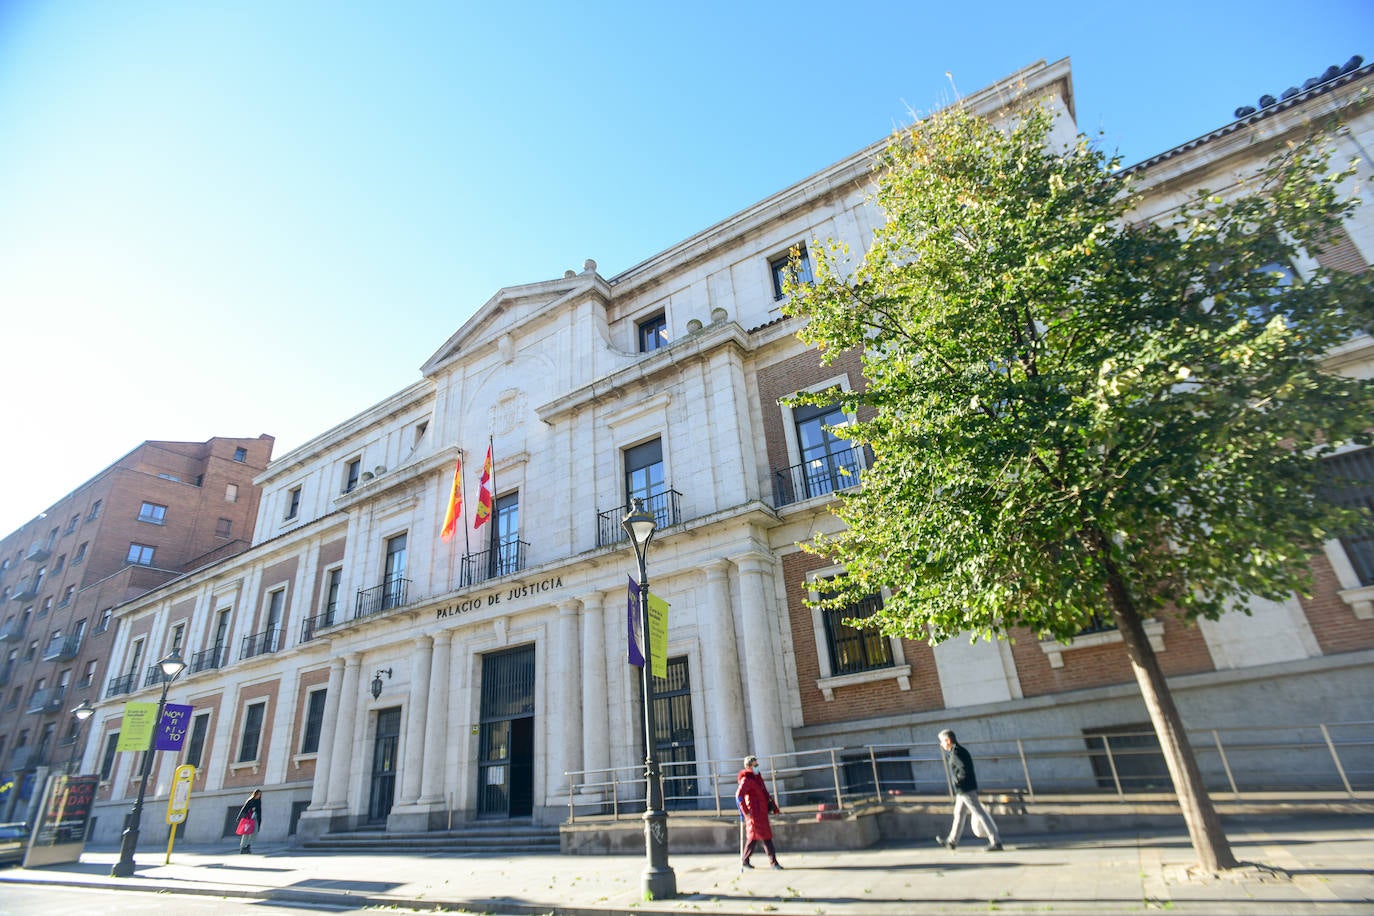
(665, 506)
(380, 598)
(820, 476)
(263, 643)
(26, 589)
(62, 648)
(503, 560)
(312, 626)
(38, 553)
(28, 757)
(125, 683)
(49, 699)
(209, 659)
(13, 629)
(154, 676)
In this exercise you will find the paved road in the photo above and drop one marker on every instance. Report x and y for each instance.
(76, 901)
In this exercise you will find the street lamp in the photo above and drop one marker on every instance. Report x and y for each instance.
(171, 666)
(377, 682)
(659, 882)
(81, 713)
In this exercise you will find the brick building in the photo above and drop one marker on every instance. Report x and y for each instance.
(362, 672)
(159, 511)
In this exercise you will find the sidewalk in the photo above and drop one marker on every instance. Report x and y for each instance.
(1310, 865)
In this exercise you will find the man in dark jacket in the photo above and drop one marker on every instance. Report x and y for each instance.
(960, 767)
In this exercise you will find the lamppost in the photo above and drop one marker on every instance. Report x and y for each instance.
(659, 882)
(81, 713)
(377, 682)
(171, 666)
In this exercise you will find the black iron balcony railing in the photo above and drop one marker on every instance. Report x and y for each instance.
(665, 506)
(62, 648)
(820, 476)
(502, 560)
(49, 699)
(260, 644)
(13, 629)
(154, 676)
(311, 626)
(209, 659)
(390, 594)
(125, 683)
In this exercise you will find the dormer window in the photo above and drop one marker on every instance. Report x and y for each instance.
(653, 333)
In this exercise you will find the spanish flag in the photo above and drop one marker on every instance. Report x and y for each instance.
(455, 503)
(483, 513)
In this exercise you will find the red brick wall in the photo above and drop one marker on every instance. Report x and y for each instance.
(860, 701)
(1333, 622)
(272, 578)
(1185, 652)
(211, 703)
(788, 377)
(243, 776)
(304, 769)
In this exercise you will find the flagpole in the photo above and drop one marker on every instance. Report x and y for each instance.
(493, 561)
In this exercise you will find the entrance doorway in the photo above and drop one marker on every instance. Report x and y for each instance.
(505, 766)
(384, 747)
(675, 741)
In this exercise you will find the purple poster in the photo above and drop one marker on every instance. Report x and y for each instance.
(171, 731)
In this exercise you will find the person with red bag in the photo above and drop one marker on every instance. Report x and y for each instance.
(250, 821)
(755, 804)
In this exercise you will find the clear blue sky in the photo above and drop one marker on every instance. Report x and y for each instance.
(262, 217)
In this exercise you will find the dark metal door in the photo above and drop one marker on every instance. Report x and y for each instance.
(384, 748)
(505, 765)
(675, 742)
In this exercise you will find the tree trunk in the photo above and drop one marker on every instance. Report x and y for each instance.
(1204, 826)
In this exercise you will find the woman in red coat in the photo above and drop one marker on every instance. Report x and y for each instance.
(754, 806)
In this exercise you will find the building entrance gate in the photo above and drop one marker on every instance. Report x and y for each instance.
(505, 766)
(384, 747)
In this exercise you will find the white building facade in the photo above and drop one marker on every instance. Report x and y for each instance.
(362, 672)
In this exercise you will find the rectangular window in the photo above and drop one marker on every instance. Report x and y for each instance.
(224, 528)
(107, 759)
(1352, 486)
(195, 745)
(394, 581)
(80, 553)
(783, 271)
(240, 454)
(505, 553)
(331, 594)
(252, 732)
(31, 651)
(103, 623)
(75, 520)
(59, 563)
(352, 471)
(178, 635)
(653, 333)
(88, 678)
(293, 503)
(276, 600)
(314, 722)
(644, 471)
(95, 511)
(139, 555)
(853, 650)
(136, 655)
(152, 513)
(231, 492)
(67, 595)
(46, 607)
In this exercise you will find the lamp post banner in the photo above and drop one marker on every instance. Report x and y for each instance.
(658, 636)
(136, 731)
(171, 731)
(636, 637)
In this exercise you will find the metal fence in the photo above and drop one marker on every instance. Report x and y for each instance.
(1335, 757)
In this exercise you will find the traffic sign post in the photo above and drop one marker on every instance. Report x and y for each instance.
(178, 803)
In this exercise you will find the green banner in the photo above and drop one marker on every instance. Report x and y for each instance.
(658, 636)
(136, 734)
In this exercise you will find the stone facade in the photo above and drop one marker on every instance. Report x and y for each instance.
(464, 680)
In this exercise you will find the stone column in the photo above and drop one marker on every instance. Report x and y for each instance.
(347, 722)
(596, 743)
(324, 762)
(413, 768)
(760, 650)
(565, 702)
(436, 723)
(724, 698)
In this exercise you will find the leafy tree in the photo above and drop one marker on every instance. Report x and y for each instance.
(1076, 411)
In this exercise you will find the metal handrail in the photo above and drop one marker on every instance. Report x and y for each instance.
(821, 476)
(207, 659)
(262, 643)
(1336, 756)
(666, 507)
(502, 560)
(390, 595)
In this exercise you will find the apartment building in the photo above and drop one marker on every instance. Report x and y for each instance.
(162, 509)
(364, 672)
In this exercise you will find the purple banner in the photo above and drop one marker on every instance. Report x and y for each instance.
(171, 731)
(636, 638)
